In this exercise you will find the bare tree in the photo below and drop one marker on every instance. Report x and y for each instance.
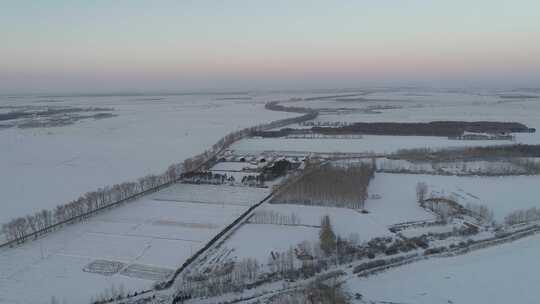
(327, 236)
(421, 192)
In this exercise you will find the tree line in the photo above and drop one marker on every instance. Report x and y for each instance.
(23, 228)
(434, 128)
(468, 153)
(522, 216)
(274, 218)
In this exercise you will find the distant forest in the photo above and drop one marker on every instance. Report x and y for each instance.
(434, 128)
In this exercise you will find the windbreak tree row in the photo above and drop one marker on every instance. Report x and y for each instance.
(330, 185)
(44, 221)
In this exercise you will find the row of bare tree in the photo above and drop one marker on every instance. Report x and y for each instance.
(522, 216)
(235, 278)
(21, 229)
(275, 218)
(481, 212)
(330, 185)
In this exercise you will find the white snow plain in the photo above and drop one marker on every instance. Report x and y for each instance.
(149, 233)
(498, 275)
(45, 167)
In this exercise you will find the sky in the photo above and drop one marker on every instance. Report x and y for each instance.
(121, 45)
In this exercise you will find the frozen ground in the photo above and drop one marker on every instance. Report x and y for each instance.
(279, 238)
(258, 240)
(44, 167)
(131, 245)
(502, 194)
(368, 143)
(417, 105)
(397, 204)
(151, 132)
(502, 274)
(212, 194)
(141, 242)
(344, 221)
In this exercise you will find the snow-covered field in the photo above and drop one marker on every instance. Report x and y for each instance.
(430, 105)
(347, 223)
(151, 132)
(211, 194)
(397, 202)
(44, 167)
(502, 194)
(259, 240)
(143, 241)
(150, 237)
(503, 274)
(344, 221)
(392, 201)
(396, 205)
(368, 143)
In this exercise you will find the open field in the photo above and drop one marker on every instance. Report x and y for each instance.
(394, 207)
(344, 221)
(148, 134)
(503, 274)
(132, 245)
(502, 194)
(141, 242)
(418, 105)
(397, 202)
(368, 143)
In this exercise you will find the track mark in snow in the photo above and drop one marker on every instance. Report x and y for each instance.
(201, 202)
(185, 224)
(78, 256)
(142, 236)
(148, 246)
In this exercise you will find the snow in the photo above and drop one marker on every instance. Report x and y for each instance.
(418, 231)
(344, 221)
(502, 194)
(258, 240)
(151, 132)
(151, 237)
(493, 275)
(44, 167)
(212, 194)
(381, 144)
(421, 105)
(398, 203)
(232, 166)
(396, 206)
